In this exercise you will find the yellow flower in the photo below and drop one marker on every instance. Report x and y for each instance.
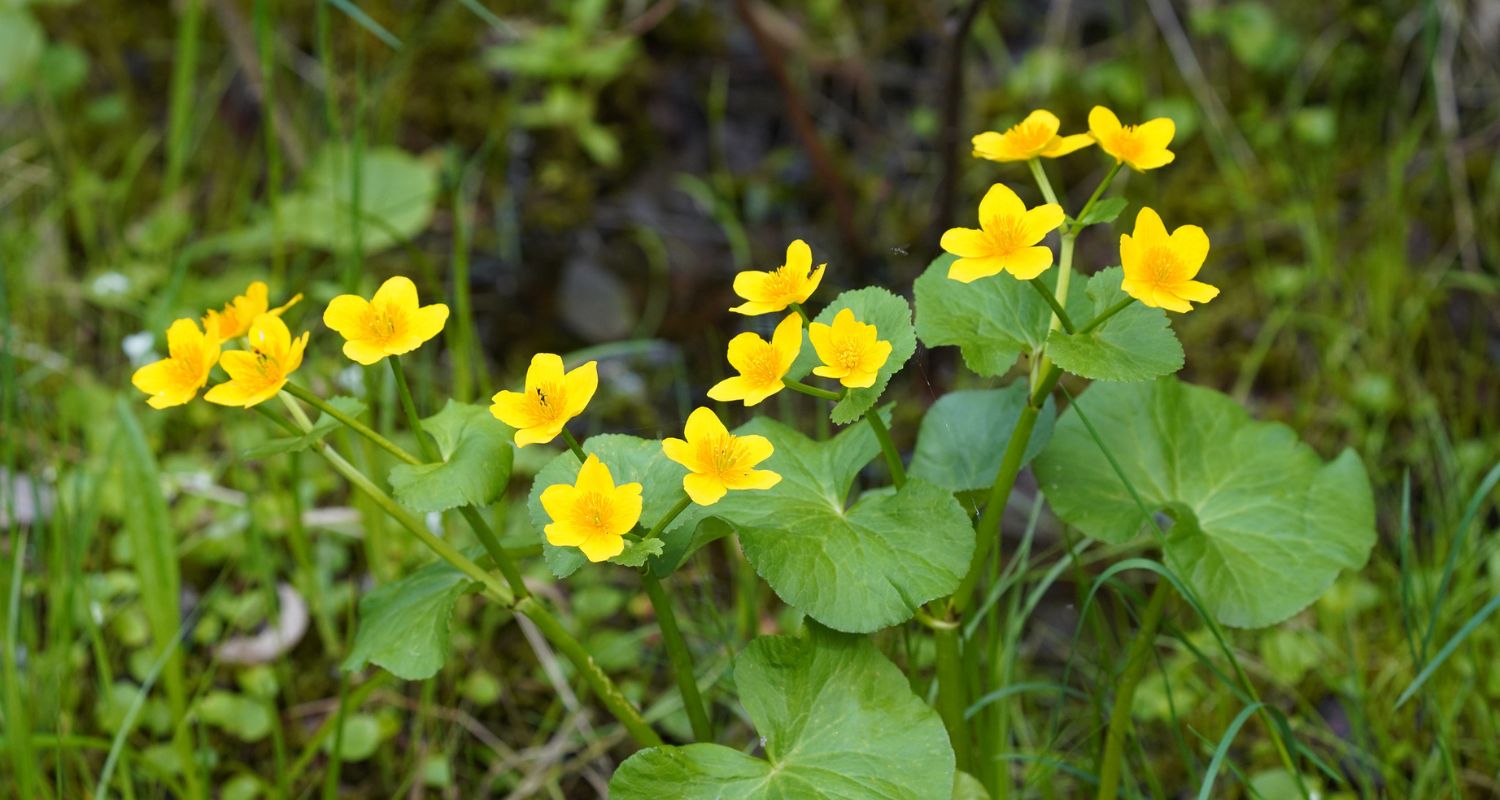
(389, 324)
(1034, 136)
(1142, 146)
(770, 292)
(176, 379)
(238, 313)
(1159, 269)
(717, 460)
(552, 397)
(1006, 240)
(594, 514)
(849, 349)
(257, 374)
(761, 364)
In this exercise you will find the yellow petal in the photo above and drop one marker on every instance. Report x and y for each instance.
(751, 285)
(755, 479)
(729, 390)
(681, 452)
(753, 449)
(1191, 245)
(1162, 298)
(1149, 230)
(743, 349)
(1196, 291)
(995, 147)
(968, 270)
(1028, 263)
(346, 314)
(398, 292)
(294, 355)
(227, 394)
(184, 337)
(594, 476)
(1130, 255)
(826, 371)
(1063, 145)
(545, 369)
(1103, 123)
(1047, 120)
(425, 323)
(363, 352)
(999, 201)
(242, 365)
(859, 379)
(703, 424)
(1152, 160)
(580, 385)
(703, 489)
(565, 534)
(513, 409)
(557, 500)
(1156, 134)
(538, 434)
(269, 335)
(625, 509)
(787, 339)
(965, 243)
(821, 336)
(754, 308)
(602, 547)
(876, 356)
(798, 257)
(160, 380)
(1042, 220)
(812, 283)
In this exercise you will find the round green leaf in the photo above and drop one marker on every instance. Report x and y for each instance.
(477, 457)
(244, 718)
(837, 720)
(992, 320)
(1136, 344)
(891, 317)
(964, 434)
(403, 626)
(397, 194)
(855, 569)
(1262, 525)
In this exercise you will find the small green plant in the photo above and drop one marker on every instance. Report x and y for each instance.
(1247, 525)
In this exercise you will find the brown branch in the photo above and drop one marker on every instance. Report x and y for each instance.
(950, 136)
(806, 131)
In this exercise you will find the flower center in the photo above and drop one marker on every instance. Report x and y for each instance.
(720, 452)
(847, 353)
(765, 365)
(1127, 143)
(1031, 135)
(1162, 265)
(548, 401)
(783, 282)
(594, 509)
(1007, 234)
(384, 323)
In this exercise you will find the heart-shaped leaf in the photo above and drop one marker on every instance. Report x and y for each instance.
(837, 720)
(1135, 344)
(992, 320)
(324, 426)
(854, 569)
(403, 626)
(1263, 526)
(477, 457)
(964, 434)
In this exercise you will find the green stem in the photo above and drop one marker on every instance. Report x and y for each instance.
(797, 307)
(680, 656)
(1106, 314)
(888, 447)
(1041, 180)
(1099, 191)
(600, 683)
(1064, 276)
(952, 694)
(428, 447)
(798, 386)
(1058, 311)
(443, 549)
(1136, 661)
(666, 519)
(574, 446)
(350, 422)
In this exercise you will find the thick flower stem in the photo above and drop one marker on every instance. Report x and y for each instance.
(351, 423)
(680, 656)
(605, 689)
(1041, 180)
(1136, 661)
(797, 307)
(888, 447)
(812, 391)
(574, 446)
(1058, 311)
(425, 444)
(1106, 314)
(666, 519)
(952, 695)
(1099, 191)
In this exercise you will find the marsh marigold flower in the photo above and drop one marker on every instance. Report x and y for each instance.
(773, 291)
(235, 319)
(1031, 137)
(593, 514)
(176, 379)
(1142, 146)
(552, 397)
(257, 374)
(1006, 240)
(388, 324)
(852, 351)
(1159, 269)
(717, 460)
(761, 364)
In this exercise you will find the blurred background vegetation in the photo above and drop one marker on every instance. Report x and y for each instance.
(587, 176)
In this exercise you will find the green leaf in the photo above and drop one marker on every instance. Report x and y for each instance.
(964, 435)
(1105, 210)
(891, 316)
(968, 787)
(837, 720)
(476, 464)
(1136, 344)
(1263, 527)
(296, 444)
(855, 569)
(637, 551)
(630, 459)
(244, 718)
(992, 320)
(22, 42)
(403, 626)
